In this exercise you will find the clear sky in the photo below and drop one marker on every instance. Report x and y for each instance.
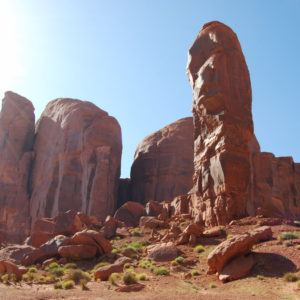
(129, 58)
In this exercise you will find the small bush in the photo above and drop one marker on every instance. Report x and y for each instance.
(53, 265)
(298, 284)
(135, 232)
(195, 273)
(83, 284)
(32, 270)
(70, 266)
(179, 259)
(114, 251)
(113, 278)
(212, 285)
(161, 271)
(288, 236)
(139, 245)
(58, 271)
(174, 263)
(67, 285)
(76, 275)
(290, 277)
(28, 277)
(199, 249)
(58, 285)
(260, 277)
(229, 236)
(146, 263)
(129, 278)
(127, 265)
(142, 276)
(5, 278)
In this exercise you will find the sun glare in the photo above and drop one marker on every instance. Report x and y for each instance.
(10, 50)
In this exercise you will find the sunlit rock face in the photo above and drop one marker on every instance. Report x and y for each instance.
(163, 163)
(223, 124)
(16, 140)
(232, 177)
(77, 160)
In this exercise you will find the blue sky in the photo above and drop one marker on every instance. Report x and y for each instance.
(129, 58)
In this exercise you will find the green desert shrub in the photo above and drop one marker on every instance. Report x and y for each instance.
(195, 273)
(58, 271)
(229, 236)
(260, 277)
(76, 275)
(142, 276)
(212, 285)
(127, 265)
(174, 263)
(161, 271)
(179, 259)
(290, 277)
(129, 278)
(32, 270)
(288, 236)
(58, 285)
(298, 284)
(70, 266)
(69, 284)
(114, 277)
(199, 249)
(114, 251)
(5, 278)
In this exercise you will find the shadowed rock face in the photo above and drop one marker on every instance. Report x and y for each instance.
(77, 160)
(16, 139)
(163, 163)
(232, 177)
(223, 124)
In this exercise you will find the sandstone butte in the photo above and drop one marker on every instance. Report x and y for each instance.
(70, 160)
(232, 178)
(163, 163)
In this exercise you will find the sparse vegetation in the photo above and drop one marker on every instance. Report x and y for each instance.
(32, 269)
(67, 285)
(142, 277)
(290, 277)
(146, 263)
(212, 285)
(287, 244)
(129, 278)
(179, 259)
(58, 285)
(260, 277)
(229, 236)
(288, 235)
(127, 266)
(70, 266)
(76, 275)
(298, 284)
(195, 273)
(113, 278)
(199, 249)
(161, 271)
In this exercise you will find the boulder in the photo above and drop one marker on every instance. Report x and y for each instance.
(42, 231)
(104, 272)
(77, 252)
(213, 232)
(237, 245)
(16, 152)
(122, 260)
(51, 247)
(130, 213)
(77, 160)
(151, 222)
(110, 227)
(161, 169)
(194, 229)
(153, 208)
(11, 268)
(180, 205)
(92, 238)
(162, 252)
(237, 268)
(21, 254)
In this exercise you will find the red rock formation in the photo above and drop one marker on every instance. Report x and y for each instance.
(16, 139)
(232, 177)
(223, 124)
(77, 160)
(163, 163)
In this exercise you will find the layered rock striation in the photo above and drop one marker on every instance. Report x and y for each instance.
(77, 160)
(232, 177)
(163, 163)
(16, 140)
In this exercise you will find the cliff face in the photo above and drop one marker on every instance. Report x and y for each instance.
(16, 139)
(228, 181)
(77, 160)
(163, 163)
